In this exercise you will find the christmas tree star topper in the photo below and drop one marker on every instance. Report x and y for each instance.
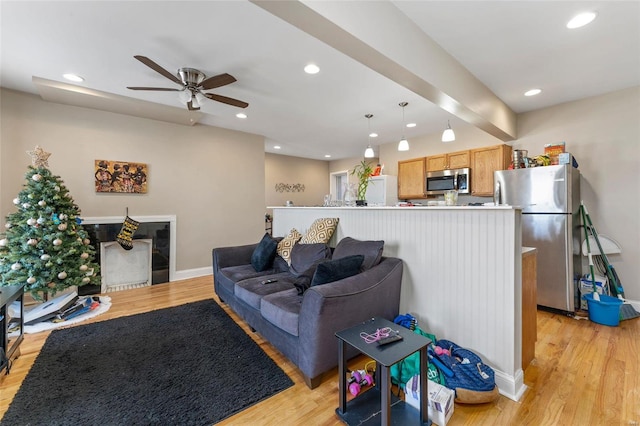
(39, 157)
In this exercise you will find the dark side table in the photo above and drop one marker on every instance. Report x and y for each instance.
(378, 406)
(11, 340)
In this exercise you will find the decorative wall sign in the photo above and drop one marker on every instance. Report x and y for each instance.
(120, 176)
(288, 187)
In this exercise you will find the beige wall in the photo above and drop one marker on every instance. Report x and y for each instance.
(313, 174)
(212, 179)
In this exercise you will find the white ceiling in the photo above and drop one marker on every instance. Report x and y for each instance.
(510, 46)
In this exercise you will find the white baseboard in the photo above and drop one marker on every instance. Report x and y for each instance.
(512, 387)
(192, 273)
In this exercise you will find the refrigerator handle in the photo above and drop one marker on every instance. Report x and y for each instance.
(496, 194)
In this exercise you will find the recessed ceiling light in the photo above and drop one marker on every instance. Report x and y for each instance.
(312, 69)
(581, 20)
(276, 147)
(327, 156)
(373, 135)
(411, 124)
(241, 115)
(73, 77)
(533, 92)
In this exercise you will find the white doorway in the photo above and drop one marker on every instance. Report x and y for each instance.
(337, 184)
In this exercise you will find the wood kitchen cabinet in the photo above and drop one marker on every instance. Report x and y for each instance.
(529, 306)
(485, 161)
(452, 160)
(411, 179)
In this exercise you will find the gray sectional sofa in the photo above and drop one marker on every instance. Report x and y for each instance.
(297, 314)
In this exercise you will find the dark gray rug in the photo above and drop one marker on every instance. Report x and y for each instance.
(187, 365)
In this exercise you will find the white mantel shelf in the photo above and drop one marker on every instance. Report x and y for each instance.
(462, 271)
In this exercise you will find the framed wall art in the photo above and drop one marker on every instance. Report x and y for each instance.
(121, 176)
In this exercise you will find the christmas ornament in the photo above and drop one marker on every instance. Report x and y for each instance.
(48, 264)
(56, 188)
(7, 225)
(45, 257)
(16, 201)
(79, 239)
(32, 241)
(78, 220)
(86, 280)
(83, 267)
(31, 221)
(87, 241)
(37, 177)
(62, 216)
(26, 205)
(57, 242)
(42, 203)
(62, 275)
(41, 220)
(51, 285)
(55, 219)
(16, 267)
(84, 255)
(39, 157)
(62, 226)
(30, 196)
(31, 280)
(5, 242)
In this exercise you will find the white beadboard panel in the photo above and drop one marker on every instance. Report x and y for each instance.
(462, 271)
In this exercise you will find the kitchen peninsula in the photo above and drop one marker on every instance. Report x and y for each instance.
(462, 276)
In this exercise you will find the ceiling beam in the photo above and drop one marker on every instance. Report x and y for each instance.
(381, 37)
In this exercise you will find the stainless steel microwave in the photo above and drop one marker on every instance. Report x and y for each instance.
(444, 180)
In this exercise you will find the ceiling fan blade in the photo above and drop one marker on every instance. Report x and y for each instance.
(190, 106)
(217, 81)
(226, 100)
(157, 68)
(163, 89)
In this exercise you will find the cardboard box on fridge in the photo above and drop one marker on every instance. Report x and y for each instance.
(440, 400)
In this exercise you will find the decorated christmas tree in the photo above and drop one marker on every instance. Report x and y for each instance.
(45, 246)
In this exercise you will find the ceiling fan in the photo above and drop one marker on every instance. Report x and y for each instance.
(193, 83)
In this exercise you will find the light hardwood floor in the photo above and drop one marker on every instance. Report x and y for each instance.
(583, 374)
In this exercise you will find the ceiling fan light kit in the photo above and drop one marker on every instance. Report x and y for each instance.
(193, 83)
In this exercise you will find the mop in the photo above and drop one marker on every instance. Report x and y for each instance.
(627, 311)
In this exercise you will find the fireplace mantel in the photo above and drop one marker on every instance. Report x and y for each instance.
(171, 219)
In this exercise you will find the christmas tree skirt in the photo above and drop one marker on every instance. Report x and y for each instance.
(105, 305)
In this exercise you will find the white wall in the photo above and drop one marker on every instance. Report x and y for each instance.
(210, 178)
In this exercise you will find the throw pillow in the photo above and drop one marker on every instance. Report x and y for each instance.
(371, 250)
(264, 253)
(334, 270)
(320, 231)
(286, 244)
(304, 256)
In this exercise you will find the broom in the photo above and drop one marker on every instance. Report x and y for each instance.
(627, 311)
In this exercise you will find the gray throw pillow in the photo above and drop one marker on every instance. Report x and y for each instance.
(371, 250)
(304, 256)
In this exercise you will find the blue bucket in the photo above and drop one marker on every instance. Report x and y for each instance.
(606, 311)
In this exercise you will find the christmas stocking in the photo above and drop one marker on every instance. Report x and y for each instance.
(125, 236)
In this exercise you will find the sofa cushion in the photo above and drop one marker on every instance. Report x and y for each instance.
(305, 256)
(282, 309)
(264, 253)
(251, 290)
(334, 270)
(371, 250)
(320, 231)
(287, 243)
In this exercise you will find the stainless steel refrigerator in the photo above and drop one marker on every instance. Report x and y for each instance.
(550, 201)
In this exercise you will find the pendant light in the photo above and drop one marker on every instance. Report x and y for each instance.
(403, 145)
(368, 153)
(448, 135)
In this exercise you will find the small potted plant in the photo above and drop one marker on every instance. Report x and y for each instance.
(363, 171)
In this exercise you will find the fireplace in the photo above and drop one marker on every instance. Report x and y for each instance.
(155, 235)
